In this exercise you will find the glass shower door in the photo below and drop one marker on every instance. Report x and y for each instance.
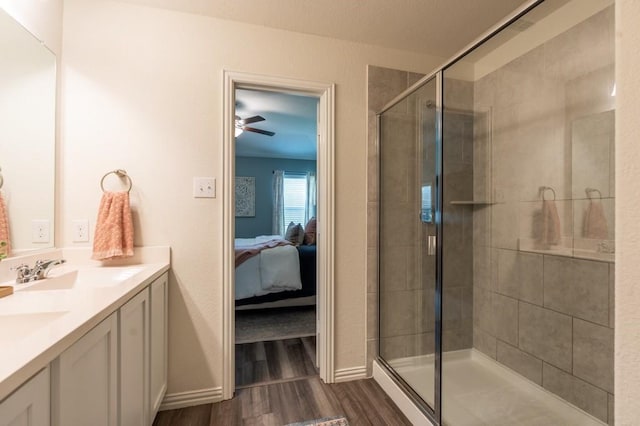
(407, 245)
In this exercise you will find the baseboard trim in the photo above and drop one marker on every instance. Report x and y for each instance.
(190, 398)
(348, 374)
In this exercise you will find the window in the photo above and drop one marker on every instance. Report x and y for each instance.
(295, 198)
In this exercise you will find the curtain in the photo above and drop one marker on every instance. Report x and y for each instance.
(310, 211)
(278, 225)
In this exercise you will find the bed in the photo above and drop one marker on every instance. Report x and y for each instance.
(280, 274)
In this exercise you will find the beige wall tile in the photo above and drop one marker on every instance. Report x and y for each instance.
(484, 342)
(481, 225)
(504, 225)
(372, 315)
(578, 392)
(451, 307)
(395, 347)
(611, 410)
(372, 270)
(593, 354)
(383, 85)
(398, 313)
(372, 353)
(521, 362)
(520, 275)
(413, 77)
(426, 310)
(456, 339)
(482, 267)
(612, 294)
(483, 311)
(505, 314)
(393, 269)
(577, 287)
(545, 334)
(372, 225)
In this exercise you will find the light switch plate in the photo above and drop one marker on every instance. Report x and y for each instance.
(204, 187)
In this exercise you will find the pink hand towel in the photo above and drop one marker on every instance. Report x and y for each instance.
(4, 227)
(550, 223)
(595, 222)
(114, 229)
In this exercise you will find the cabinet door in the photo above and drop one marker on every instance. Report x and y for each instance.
(134, 360)
(85, 379)
(29, 405)
(159, 323)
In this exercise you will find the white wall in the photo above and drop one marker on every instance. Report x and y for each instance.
(142, 91)
(627, 333)
(43, 18)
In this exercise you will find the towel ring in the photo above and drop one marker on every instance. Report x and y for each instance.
(543, 189)
(121, 174)
(589, 191)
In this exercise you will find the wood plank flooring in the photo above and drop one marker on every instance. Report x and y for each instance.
(278, 360)
(277, 384)
(362, 402)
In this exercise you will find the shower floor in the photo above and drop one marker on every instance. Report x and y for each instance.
(478, 391)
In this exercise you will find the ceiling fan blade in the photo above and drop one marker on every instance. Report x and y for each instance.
(262, 132)
(249, 120)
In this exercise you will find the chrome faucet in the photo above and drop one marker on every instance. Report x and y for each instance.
(24, 274)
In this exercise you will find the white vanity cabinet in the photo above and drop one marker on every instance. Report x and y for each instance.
(85, 379)
(29, 405)
(159, 295)
(117, 373)
(134, 360)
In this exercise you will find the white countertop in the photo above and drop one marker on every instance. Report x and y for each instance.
(43, 318)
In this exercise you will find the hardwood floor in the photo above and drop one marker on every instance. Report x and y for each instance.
(362, 402)
(277, 384)
(278, 360)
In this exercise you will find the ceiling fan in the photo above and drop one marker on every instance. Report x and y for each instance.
(241, 125)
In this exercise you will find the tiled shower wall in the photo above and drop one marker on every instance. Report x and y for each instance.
(548, 317)
(384, 84)
(408, 275)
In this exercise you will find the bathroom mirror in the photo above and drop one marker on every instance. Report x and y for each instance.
(27, 136)
(593, 180)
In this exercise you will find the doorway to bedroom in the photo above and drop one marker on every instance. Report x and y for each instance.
(275, 242)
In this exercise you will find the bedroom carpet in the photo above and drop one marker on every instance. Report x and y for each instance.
(275, 324)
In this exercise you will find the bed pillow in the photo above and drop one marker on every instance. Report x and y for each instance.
(310, 232)
(294, 234)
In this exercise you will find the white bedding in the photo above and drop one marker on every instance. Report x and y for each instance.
(273, 270)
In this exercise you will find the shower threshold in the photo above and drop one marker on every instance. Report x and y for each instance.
(477, 391)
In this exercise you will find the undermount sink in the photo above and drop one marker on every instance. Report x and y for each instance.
(20, 325)
(61, 279)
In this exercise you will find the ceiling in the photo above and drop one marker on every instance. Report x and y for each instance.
(433, 27)
(291, 117)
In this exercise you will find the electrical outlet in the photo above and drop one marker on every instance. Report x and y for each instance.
(40, 231)
(80, 229)
(204, 187)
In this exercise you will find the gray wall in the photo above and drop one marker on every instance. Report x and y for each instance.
(262, 169)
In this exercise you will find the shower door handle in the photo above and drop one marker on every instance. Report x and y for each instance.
(431, 245)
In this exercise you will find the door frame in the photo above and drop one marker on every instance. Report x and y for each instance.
(325, 93)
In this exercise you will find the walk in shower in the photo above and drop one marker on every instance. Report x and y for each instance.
(496, 226)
